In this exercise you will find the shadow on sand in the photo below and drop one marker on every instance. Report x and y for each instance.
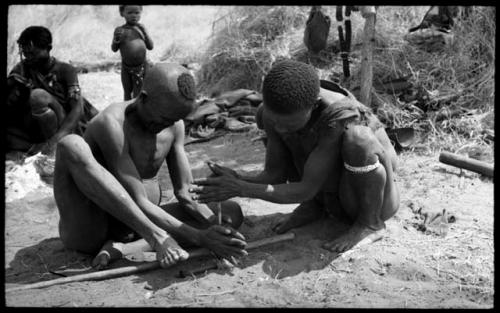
(49, 260)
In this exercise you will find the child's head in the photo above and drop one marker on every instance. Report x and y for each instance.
(131, 13)
(290, 90)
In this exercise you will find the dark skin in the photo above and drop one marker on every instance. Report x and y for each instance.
(270, 185)
(132, 41)
(108, 167)
(39, 59)
(369, 198)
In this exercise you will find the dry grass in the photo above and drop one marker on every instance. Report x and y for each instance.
(465, 70)
(247, 40)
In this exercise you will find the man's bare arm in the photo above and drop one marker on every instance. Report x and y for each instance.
(71, 120)
(316, 170)
(181, 176)
(115, 44)
(147, 39)
(114, 146)
(278, 161)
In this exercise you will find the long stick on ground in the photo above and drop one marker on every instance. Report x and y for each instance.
(466, 163)
(127, 270)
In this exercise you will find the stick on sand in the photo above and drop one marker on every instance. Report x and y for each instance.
(127, 270)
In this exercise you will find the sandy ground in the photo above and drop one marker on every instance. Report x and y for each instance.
(447, 266)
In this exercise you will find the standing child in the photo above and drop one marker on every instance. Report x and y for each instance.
(132, 40)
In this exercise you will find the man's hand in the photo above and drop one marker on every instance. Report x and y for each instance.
(219, 170)
(168, 252)
(48, 148)
(216, 189)
(222, 184)
(214, 220)
(224, 241)
(284, 224)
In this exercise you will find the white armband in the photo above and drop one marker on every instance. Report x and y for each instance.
(362, 169)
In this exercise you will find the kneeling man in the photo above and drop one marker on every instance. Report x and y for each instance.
(325, 150)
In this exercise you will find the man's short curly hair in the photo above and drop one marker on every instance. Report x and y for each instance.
(39, 36)
(290, 86)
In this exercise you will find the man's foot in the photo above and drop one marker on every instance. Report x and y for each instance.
(111, 251)
(356, 235)
(303, 214)
(168, 252)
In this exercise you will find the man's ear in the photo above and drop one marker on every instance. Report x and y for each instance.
(318, 100)
(143, 95)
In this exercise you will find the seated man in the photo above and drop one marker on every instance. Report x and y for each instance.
(325, 150)
(105, 183)
(43, 97)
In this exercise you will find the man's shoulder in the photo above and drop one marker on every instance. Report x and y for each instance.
(62, 65)
(17, 73)
(104, 125)
(126, 27)
(112, 115)
(341, 108)
(17, 68)
(330, 96)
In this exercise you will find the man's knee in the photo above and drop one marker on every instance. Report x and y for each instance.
(359, 146)
(233, 209)
(39, 101)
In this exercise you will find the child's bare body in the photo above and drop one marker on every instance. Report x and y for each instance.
(132, 40)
